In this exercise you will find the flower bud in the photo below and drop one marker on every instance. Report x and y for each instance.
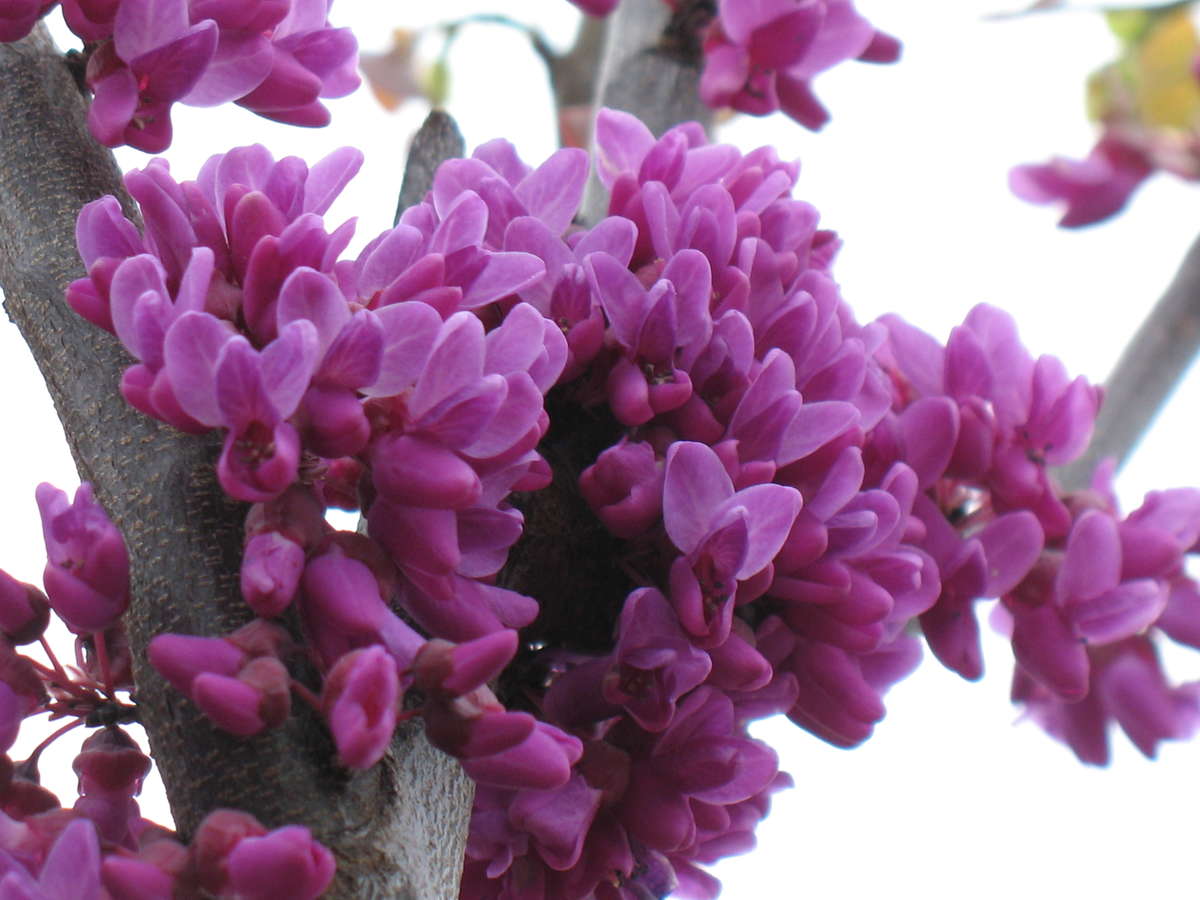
(24, 610)
(87, 572)
(360, 700)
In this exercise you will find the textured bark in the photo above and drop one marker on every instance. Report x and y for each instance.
(1150, 367)
(397, 830)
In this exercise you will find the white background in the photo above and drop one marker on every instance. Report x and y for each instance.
(951, 798)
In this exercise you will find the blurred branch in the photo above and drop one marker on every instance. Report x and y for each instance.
(437, 140)
(573, 74)
(651, 68)
(1149, 368)
(652, 62)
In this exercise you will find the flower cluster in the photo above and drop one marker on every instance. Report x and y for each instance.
(1083, 590)
(762, 57)
(102, 843)
(786, 498)
(277, 58)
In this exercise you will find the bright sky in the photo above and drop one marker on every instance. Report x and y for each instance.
(950, 799)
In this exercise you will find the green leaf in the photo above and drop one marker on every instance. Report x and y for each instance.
(437, 83)
(1129, 25)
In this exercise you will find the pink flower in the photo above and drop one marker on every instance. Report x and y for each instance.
(1090, 190)
(87, 568)
(360, 700)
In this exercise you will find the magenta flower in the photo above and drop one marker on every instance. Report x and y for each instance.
(92, 20)
(451, 670)
(311, 60)
(232, 854)
(87, 568)
(105, 238)
(221, 380)
(1090, 190)
(17, 17)
(651, 326)
(1128, 686)
(654, 661)
(343, 609)
(762, 56)
(726, 536)
(244, 691)
(509, 189)
(596, 7)
(270, 575)
(285, 862)
(624, 488)
(70, 871)
(701, 759)
(360, 700)
(24, 610)
(751, 42)
(542, 761)
(989, 564)
(146, 876)
(111, 768)
(155, 58)
(1089, 604)
(244, 52)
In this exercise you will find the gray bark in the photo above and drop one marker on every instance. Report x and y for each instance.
(649, 71)
(437, 140)
(1150, 367)
(650, 68)
(397, 830)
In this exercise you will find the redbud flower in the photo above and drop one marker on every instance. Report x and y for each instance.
(270, 576)
(655, 663)
(1090, 190)
(17, 17)
(286, 862)
(243, 688)
(111, 768)
(71, 869)
(156, 57)
(596, 7)
(24, 610)
(360, 701)
(232, 854)
(87, 568)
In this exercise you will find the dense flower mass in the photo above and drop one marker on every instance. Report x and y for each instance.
(791, 501)
(279, 58)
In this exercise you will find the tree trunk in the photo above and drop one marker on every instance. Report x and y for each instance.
(397, 830)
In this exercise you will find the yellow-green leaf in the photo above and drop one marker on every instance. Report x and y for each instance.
(1129, 25)
(1167, 92)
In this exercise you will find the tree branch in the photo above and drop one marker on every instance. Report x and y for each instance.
(1145, 375)
(397, 830)
(437, 140)
(652, 63)
(651, 68)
